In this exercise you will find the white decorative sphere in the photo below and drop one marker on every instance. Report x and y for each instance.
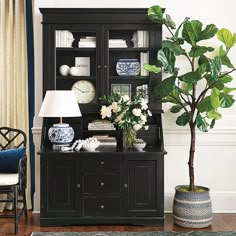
(64, 70)
(73, 71)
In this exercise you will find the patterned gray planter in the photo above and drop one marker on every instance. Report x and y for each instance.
(192, 209)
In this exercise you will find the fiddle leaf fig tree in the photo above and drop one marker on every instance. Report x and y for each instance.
(199, 94)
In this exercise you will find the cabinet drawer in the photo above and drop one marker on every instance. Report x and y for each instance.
(101, 184)
(93, 206)
(101, 164)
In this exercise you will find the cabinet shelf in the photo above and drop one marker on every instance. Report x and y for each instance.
(75, 49)
(143, 78)
(128, 49)
(76, 77)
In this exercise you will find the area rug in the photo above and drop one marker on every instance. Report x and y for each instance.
(133, 233)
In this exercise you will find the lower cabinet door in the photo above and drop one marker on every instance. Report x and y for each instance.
(101, 206)
(144, 188)
(60, 188)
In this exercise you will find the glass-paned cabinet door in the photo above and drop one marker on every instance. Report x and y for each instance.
(129, 47)
(77, 63)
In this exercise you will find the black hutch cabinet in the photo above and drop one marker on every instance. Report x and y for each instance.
(111, 185)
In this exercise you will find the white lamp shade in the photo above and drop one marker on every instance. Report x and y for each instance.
(60, 103)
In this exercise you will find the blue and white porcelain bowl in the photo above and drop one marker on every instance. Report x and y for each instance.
(126, 67)
(61, 134)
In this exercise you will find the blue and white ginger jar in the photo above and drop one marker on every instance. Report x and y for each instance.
(126, 67)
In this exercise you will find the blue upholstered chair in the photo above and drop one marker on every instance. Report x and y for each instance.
(13, 170)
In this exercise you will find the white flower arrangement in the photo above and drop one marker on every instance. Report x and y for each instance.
(125, 111)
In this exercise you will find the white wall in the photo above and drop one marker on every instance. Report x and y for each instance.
(216, 151)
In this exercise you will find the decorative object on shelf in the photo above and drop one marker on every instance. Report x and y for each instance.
(87, 42)
(73, 71)
(140, 39)
(60, 103)
(83, 66)
(90, 144)
(122, 89)
(64, 70)
(64, 38)
(199, 94)
(129, 114)
(127, 67)
(84, 91)
(139, 144)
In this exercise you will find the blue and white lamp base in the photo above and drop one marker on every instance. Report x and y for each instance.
(60, 135)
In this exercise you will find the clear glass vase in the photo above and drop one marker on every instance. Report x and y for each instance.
(129, 136)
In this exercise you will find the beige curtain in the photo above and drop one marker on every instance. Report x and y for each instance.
(13, 71)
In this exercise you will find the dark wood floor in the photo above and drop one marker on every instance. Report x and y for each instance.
(221, 222)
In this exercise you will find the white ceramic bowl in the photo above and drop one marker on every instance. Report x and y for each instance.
(90, 144)
(139, 146)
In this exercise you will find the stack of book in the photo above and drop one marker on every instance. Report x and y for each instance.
(117, 43)
(144, 59)
(64, 38)
(87, 42)
(106, 140)
(140, 39)
(101, 125)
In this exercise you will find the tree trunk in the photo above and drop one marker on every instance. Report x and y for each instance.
(191, 158)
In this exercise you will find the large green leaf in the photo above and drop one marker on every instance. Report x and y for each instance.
(224, 58)
(202, 123)
(202, 69)
(155, 14)
(191, 31)
(226, 79)
(173, 97)
(215, 66)
(191, 77)
(205, 105)
(167, 58)
(197, 51)
(225, 36)
(208, 32)
(170, 22)
(152, 68)
(186, 86)
(226, 100)
(204, 60)
(183, 119)
(229, 90)
(173, 46)
(215, 99)
(165, 87)
(176, 108)
(178, 29)
(214, 115)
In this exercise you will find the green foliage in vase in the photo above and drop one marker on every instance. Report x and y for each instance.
(198, 94)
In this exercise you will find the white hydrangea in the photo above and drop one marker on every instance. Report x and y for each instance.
(136, 112)
(105, 112)
(137, 127)
(144, 104)
(115, 107)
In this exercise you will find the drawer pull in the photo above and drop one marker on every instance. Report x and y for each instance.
(125, 185)
(78, 185)
(102, 162)
(102, 184)
(102, 206)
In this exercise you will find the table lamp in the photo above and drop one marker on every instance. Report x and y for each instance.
(60, 103)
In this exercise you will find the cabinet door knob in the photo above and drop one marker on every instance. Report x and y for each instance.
(78, 185)
(102, 162)
(105, 66)
(102, 184)
(99, 66)
(125, 185)
(102, 206)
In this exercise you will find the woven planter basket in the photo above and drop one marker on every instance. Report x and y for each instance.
(192, 209)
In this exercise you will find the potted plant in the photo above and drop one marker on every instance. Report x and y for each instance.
(198, 95)
(139, 144)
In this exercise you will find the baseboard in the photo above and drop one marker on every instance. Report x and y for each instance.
(222, 202)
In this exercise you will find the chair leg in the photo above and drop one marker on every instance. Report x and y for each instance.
(25, 206)
(16, 208)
